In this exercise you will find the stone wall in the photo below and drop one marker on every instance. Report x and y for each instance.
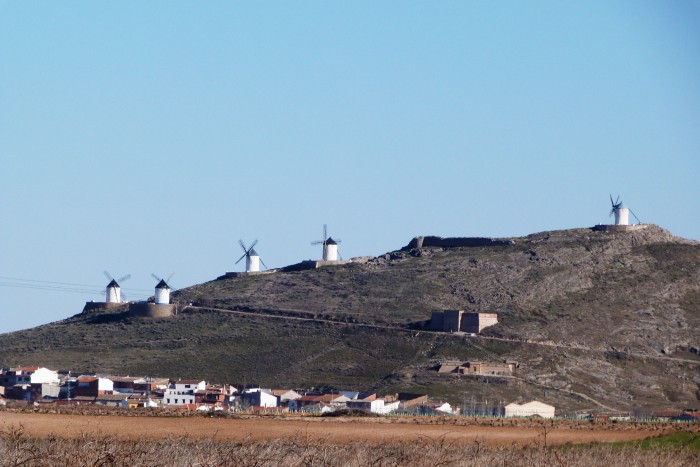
(460, 320)
(454, 242)
(151, 310)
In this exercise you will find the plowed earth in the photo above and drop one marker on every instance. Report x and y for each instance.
(374, 431)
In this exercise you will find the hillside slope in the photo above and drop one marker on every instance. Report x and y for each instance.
(594, 318)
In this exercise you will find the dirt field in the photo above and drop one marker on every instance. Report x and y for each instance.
(332, 430)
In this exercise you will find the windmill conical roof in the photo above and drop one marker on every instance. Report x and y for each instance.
(162, 285)
(330, 241)
(252, 252)
(112, 283)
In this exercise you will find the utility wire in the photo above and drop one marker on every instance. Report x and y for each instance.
(67, 283)
(64, 289)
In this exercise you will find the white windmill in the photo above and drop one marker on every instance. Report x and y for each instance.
(330, 246)
(113, 290)
(162, 295)
(621, 212)
(252, 258)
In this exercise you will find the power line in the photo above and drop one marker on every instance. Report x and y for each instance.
(66, 283)
(49, 288)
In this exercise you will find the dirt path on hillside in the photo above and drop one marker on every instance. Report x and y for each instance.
(332, 430)
(425, 331)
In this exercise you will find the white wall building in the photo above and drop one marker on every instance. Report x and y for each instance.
(31, 375)
(378, 406)
(260, 398)
(43, 375)
(183, 392)
(530, 409)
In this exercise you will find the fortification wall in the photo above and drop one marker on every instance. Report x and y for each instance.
(618, 228)
(454, 242)
(91, 306)
(460, 320)
(151, 310)
(313, 264)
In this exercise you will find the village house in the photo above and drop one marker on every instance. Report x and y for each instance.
(145, 384)
(284, 396)
(93, 386)
(212, 396)
(378, 406)
(124, 384)
(49, 390)
(113, 400)
(259, 398)
(317, 403)
(182, 392)
(408, 400)
(29, 375)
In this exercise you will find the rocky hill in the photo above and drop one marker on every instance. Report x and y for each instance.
(604, 320)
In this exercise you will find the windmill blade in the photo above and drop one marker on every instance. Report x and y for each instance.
(240, 242)
(239, 259)
(337, 240)
(108, 276)
(255, 242)
(124, 278)
(156, 277)
(318, 242)
(123, 298)
(611, 200)
(261, 262)
(635, 216)
(340, 257)
(169, 277)
(325, 232)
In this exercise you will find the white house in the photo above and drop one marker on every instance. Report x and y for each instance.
(183, 392)
(93, 386)
(285, 395)
(44, 375)
(260, 398)
(31, 375)
(530, 409)
(378, 406)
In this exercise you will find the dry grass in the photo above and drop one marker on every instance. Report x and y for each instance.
(19, 449)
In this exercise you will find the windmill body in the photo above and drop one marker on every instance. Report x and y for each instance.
(330, 250)
(252, 258)
(252, 261)
(622, 216)
(622, 213)
(113, 292)
(162, 296)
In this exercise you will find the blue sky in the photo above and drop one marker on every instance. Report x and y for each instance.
(143, 137)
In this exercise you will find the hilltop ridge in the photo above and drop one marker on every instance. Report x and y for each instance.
(610, 317)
